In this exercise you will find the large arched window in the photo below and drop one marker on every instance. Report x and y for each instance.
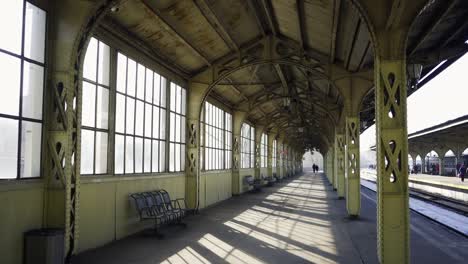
(146, 130)
(22, 60)
(248, 146)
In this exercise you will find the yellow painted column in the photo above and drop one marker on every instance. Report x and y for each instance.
(353, 184)
(392, 162)
(238, 118)
(339, 165)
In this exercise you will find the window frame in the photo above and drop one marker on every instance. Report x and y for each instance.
(182, 144)
(264, 150)
(250, 138)
(224, 131)
(20, 118)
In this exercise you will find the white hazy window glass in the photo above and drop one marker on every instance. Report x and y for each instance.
(34, 35)
(89, 104)
(156, 123)
(90, 61)
(121, 72)
(31, 150)
(87, 151)
(10, 88)
(119, 153)
(157, 89)
(33, 83)
(147, 156)
(101, 152)
(130, 116)
(8, 148)
(131, 77)
(155, 164)
(149, 86)
(11, 25)
(120, 113)
(163, 92)
(171, 155)
(104, 64)
(140, 81)
(129, 158)
(162, 124)
(162, 155)
(102, 111)
(139, 122)
(148, 117)
(138, 155)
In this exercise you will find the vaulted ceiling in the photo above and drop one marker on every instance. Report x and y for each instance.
(189, 36)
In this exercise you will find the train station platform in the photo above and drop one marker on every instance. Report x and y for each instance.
(450, 187)
(300, 221)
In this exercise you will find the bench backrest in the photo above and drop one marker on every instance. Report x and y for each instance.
(141, 205)
(166, 199)
(248, 179)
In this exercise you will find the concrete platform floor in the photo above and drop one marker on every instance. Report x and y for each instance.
(300, 221)
(444, 180)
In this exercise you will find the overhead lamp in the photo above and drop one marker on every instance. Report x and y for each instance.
(414, 74)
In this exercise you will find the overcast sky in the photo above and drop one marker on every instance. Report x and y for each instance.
(445, 97)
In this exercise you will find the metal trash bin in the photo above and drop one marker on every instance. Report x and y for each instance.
(44, 246)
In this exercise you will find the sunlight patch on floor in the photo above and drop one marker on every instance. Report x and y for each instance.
(226, 251)
(187, 255)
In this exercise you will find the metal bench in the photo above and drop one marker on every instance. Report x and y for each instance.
(152, 205)
(270, 180)
(252, 183)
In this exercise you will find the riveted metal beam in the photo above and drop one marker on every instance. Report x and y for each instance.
(216, 24)
(176, 34)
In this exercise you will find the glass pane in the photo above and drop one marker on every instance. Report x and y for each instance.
(183, 102)
(102, 111)
(89, 104)
(162, 156)
(163, 91)
(177, 157)
(156, 161)
(149, 86)
(90, 61)
(148, 117)
(130, 119)
(155, 122)
(121, 72)
(147, 157)
(34, 35)
(10, 83)
(177, 128)
(139, 118)
(162, 124)
(131, 77)
(33, 83)
(101, 152)
(104, 64)
(120, 114)
(8, 148)
(157, 89)
(11, 15)
(119, 153)
(172, 129)
(178, 99)
(141, 81)
(171, 157)
(128, 154)
(30, 163)
(173, 97)
(87, 151)
(138, 155)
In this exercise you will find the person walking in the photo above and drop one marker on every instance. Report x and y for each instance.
(313, 167)
(462, 172)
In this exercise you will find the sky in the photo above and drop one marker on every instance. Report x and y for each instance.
(444, 98)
